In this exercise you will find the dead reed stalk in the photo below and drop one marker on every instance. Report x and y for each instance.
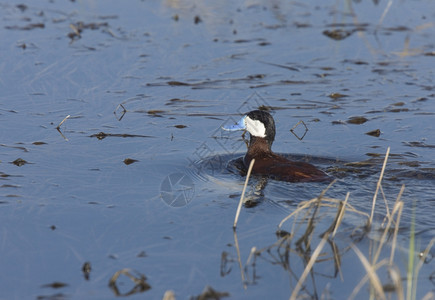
(369, 223)
(251, 165)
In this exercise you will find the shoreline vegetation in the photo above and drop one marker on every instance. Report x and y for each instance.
(383, 276)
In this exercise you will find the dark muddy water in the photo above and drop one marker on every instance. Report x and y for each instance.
(137, 177)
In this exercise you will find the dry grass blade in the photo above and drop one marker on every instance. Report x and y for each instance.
(299, 209)
(377, 188)
(308, 268)
(60, 124)
(340, 217)
(399, 196)
(396, 231)
(306, 204)
(251, 165)
(388, 215)
(397, 208)
(371, 272)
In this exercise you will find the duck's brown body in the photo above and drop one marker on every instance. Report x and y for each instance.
(277, 167)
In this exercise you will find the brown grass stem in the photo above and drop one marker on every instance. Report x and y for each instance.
(377, 188)
(251, 165)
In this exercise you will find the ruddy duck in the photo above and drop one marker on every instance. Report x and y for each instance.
(261, 128)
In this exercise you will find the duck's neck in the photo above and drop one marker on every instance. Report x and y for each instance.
(258, 147)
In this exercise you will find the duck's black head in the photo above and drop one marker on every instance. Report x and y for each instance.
(259, 124)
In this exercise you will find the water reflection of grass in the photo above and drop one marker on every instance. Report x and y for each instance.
(382, 273)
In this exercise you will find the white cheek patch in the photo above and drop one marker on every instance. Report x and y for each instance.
(255, 127)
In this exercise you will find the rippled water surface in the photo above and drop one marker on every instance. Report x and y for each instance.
(112, 160)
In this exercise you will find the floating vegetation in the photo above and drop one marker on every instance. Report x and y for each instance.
(155, 112)
(358, 120)
(336, 96)
(177, 83)
(129, 161)
(102, 135)
(375, 133)
(19, 162)
(55, 285)
(338, 34)
(26, 27)
(418, 144)
(24, 149)
(79, 27)
(86, 269)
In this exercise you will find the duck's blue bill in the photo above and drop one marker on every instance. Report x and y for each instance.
(239, 126)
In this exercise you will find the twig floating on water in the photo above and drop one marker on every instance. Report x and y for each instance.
(101, 135)
(60, 124)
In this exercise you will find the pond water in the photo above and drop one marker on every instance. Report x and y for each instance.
(139, 176)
